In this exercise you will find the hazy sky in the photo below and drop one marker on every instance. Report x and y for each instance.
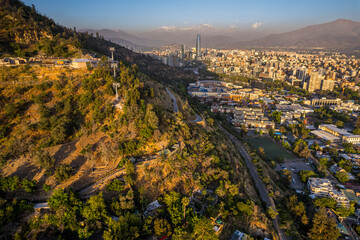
(137, 15)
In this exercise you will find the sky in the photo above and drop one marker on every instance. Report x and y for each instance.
(143, 15)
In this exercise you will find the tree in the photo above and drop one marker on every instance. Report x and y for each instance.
(246, 208)
(325, 202)
(124, 203)
(342, 176)
(203, 229)
(298, 209)
(66, 207)
(95, 208)
(174, 207)
(339, 123)
(345, 164)
(277, 116)
(29, 186)
(63, 172)
(185, 202)
(44, 159)
(125, 228)
(115, 186)
(324, 227)
(262, 152)
(162, 227)
(306, 174)
(150, 117)
(282, 129)
(58, 133)
(301, 148)
(344, 212)
(272, 212)
(130, 173)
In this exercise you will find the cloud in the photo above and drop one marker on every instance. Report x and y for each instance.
(256, 25)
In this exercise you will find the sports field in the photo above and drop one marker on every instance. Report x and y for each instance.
(272, 150)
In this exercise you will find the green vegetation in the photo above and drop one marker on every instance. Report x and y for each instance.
(11, 211)
(115, 186)
(162, 227)
(63, 172)
(323, 227)
(11, 184)
(272, 212)
(306, 174)
(342, 176)
(44, 159)
(272, 150)
(301, 148)
(327, 114)
(277, 116)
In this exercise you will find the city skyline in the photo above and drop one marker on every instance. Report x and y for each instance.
(277, 16)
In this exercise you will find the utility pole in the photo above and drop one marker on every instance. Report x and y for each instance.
(116, 85)
(114, 65)
(112, 49)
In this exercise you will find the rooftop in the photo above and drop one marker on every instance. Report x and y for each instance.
(325, 135)
(335, 129)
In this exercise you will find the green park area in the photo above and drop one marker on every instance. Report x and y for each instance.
(272, 149)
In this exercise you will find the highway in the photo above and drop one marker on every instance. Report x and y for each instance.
(258, 183)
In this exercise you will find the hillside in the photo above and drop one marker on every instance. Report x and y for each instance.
(339, 34)
(65, 140)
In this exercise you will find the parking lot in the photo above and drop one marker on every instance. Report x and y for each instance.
(295, 166)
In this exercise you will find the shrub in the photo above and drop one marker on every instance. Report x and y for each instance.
(28, 186)
(115, 186)
(46, 187)
(63, 172)
(44, 159)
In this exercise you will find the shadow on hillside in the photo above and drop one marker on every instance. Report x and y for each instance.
(64, 151)
(77, 163)
(27, 171)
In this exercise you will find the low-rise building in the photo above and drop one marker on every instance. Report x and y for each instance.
(320, 187)
(325, 102)
(343, 134)
(237, 235)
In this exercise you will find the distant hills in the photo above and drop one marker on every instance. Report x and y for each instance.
(125, 39)
(212, 37)
(340, 34)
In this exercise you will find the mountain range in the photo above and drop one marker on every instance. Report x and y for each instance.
(339, 34)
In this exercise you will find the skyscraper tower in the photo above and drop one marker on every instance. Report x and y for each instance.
(314, 82)
(198, 46)
(182, 51)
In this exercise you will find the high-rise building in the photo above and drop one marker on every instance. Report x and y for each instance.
(182, 56)
(198, 46)
(172, 61)
(314, 83)
(327, 85)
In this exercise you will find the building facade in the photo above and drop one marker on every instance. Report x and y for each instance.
(198, 46)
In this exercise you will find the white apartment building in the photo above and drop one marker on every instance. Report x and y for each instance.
(321, 187)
